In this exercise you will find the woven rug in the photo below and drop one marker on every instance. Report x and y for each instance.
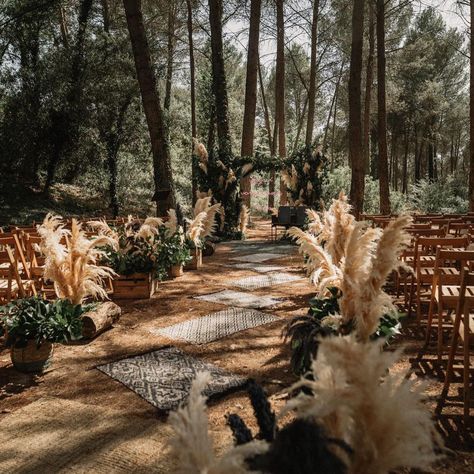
(257, 257)
(164, 377)
(240, 299)
(262, 281)
(257, 268)
(216, 325)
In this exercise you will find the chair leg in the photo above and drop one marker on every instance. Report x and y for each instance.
(452, 355)
(430, 321)
(466, 371)
(412, 294)
(439, 347)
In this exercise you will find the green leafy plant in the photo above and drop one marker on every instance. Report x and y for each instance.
(174, 250)
(41, 320)
(322, 320)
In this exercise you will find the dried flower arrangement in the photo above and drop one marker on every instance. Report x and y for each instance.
(72, 260)
(356, 416)
(135, 246)
(349, 264)
(303, 176)
(219, 178)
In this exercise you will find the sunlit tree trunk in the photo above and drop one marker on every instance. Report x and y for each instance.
(312, 76)
(280, 91)
(382, 111)
(356, 155)
(163, 175)
(219, 82)
(368, 89)
(192, 71)
(248, 127)
(471, 114)
(170, 54)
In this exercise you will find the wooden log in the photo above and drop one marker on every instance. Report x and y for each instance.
(99, 319)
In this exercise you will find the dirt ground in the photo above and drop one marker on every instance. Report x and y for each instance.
(91, 407)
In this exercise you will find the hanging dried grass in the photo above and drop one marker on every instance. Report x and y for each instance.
(72, 260)
(377, 412)
(200, 151)
(172, 223)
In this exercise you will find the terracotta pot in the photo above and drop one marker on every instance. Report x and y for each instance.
(31, 358)
(176, 271)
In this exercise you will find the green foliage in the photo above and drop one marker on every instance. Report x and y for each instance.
(134, 255)
(305, 332)
(174, 250)
(41, 320)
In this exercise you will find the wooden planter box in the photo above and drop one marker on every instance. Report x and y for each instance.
(196, 262)
(134, 287)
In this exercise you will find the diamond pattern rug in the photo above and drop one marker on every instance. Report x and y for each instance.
(257, 268)
(216, 325)
(257, 257)
(262, 281)
(240, 299)
(164, 377)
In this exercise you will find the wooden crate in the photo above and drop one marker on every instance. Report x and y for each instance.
(196, 262)
(133, 287)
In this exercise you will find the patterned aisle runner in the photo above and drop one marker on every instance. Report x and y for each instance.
(258, 257)
(263, 281)
(240, 299)
(216, 325)
(164, 377)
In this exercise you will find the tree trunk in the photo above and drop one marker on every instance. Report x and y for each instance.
(382, 112)
(405, 165)
(163, 177)
(471, 114)
(193, 95)
(368, 89)
(170, 55)
(356, 154)
(64, 127)
(280, 91)
(248, 127)
(219, 83)
(312, 75)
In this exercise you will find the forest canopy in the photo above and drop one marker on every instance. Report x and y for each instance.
(380, 89)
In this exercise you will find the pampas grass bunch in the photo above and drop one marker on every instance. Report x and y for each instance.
(377, 412)
(244, 217)
(71, 260)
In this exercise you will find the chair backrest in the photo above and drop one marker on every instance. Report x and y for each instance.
(301, 215)
(451, 258)
(11, 257)
(284, 215)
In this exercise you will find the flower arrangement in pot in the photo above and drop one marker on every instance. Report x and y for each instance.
(201, 228)
(349, 264)
(134, 255)
(33, 325)
(174, 252)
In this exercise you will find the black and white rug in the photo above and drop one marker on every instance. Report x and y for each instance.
(262, 281)
(256, 267)
(240, 299)
(216, 325)
(258, 257)
(164, 377)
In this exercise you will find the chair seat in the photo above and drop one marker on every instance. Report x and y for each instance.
(451, 292)
(429, 271)
(4, 285)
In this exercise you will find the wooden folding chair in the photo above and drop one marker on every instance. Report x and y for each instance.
(446, 290)
(463, 332)
(12, 267)
(423, 263)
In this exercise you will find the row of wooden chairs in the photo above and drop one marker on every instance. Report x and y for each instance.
(439, 273)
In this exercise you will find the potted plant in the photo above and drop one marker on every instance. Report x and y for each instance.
(32, 325)
(175, 253)
(135, 257)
